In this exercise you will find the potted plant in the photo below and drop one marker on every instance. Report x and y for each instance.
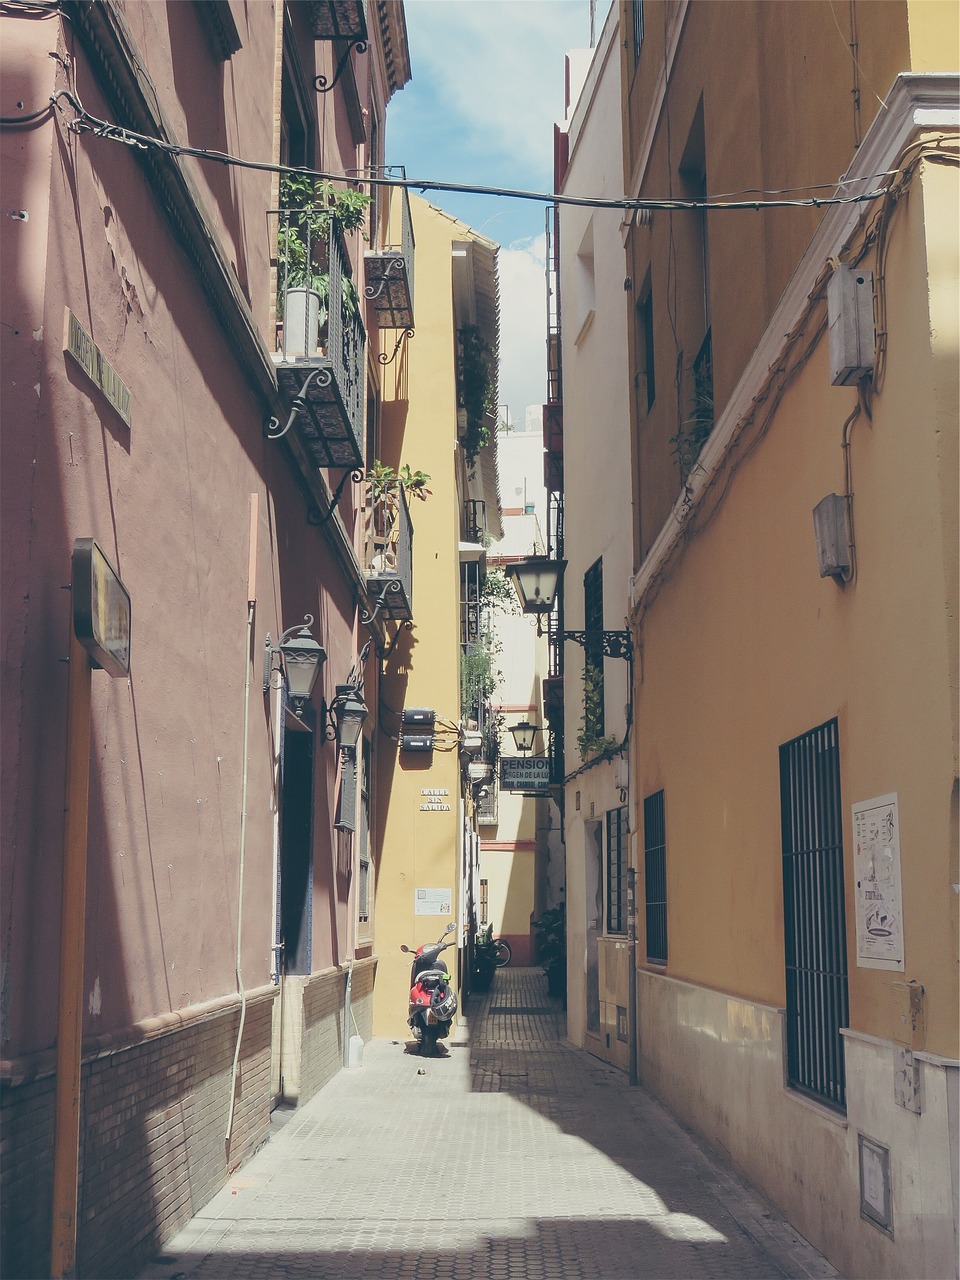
(551, 931)
(303, 245)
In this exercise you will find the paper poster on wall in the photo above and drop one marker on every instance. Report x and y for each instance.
(432, 902)
(876, 867)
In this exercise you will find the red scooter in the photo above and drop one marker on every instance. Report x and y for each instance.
(433, 1001)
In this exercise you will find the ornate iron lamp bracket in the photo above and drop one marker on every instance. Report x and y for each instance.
(272, 429)
(367, 618)
(614, 644)
(317, 518)
(384, 358)
(320, 82)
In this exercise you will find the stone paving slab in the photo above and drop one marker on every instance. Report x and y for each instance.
(516, 1157)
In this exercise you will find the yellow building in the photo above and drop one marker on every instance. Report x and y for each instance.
(793, 811)
(425, 869)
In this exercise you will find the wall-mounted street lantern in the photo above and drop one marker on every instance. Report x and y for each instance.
(346, 714)
(524, 734)
(301, 660)
(536, 581)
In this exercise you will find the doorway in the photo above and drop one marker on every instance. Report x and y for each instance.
(593, 866)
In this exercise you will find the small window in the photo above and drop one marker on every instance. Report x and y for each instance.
(586, 284)
(616, 870)
(646, 379)
(655, 877)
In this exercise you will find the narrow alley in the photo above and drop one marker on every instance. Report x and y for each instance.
(516, 1156)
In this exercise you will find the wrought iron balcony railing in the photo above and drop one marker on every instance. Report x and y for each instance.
(475, 521)
(389, 267)
(339, 19)
(322, 342)
(389, 554)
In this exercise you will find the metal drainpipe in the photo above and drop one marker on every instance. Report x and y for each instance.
(243, 850)
(347, 1014)
(632, 970)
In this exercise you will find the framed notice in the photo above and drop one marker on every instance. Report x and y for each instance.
(432, 902)
(876, 869)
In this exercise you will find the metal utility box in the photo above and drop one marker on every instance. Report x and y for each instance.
(852, 335)
(422, 717)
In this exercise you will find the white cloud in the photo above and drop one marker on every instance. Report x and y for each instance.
(523, 326)
(498, 68)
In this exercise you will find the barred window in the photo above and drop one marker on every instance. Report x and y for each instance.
(655, 877)
(815, 935)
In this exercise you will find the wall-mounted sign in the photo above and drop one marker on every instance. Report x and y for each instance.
(876, 871)
(528, 774)
(101, 608)
(98, 369)
(434, 800)
(432, 902)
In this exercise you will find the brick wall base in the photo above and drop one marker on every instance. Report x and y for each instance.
(155, 1103)
(311, 1051)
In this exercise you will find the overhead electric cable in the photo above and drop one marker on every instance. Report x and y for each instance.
(85, 122)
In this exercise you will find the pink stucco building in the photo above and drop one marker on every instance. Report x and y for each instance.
(144, 406)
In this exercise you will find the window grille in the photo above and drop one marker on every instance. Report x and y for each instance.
(637, 8)
(815, 939)
(655, 876)
(616, 870)
(484, 903)
(487, 807)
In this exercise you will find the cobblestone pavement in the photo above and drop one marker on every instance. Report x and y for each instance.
(517, 1157)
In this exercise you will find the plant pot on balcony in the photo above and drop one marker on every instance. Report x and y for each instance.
(304, 316)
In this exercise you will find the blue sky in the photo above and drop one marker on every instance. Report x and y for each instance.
(487, 87)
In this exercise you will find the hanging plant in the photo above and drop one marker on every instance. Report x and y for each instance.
(476, 390)
(590, 743)
(695, 430)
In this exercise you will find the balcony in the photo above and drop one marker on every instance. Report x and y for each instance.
(339, 20)
(475, 521)
(322, 344)
(389, 268)
(389, 554)
(553, 446)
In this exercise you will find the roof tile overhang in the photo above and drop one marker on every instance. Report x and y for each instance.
(396, 51)
(477, 294)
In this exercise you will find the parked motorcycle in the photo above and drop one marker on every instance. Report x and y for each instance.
(489, 954)
(433, 1001)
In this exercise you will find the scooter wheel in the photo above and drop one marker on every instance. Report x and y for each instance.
(428, 1045)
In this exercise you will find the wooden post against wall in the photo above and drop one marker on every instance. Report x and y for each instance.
(66, 1150)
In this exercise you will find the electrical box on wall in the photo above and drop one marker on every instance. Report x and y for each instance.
(423, 717)
(850, 316)
(422, 720)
